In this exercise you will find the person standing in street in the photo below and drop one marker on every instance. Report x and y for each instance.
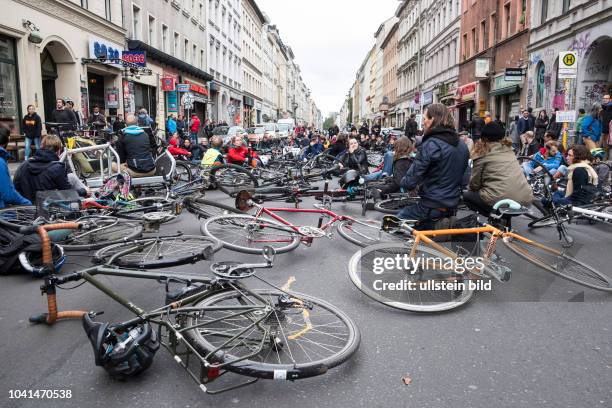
(376, 127)
(64, 116)
(591, 128)
(411, 127)
(553, 125)
(522, 125)
(171, 128)
(364, 129)
(180, 126)
(32, 127)
(606, 117)
(581, 116)
(8, 194)
(118, 124)
(541, 125)
(77, 114)
(513, 134)
(531, 119)
(476, 125)
(96, 120)
(194, 128)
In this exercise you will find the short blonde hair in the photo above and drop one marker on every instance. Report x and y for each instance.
(51, 142)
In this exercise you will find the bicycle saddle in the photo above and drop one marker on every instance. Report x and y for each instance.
(509, 208)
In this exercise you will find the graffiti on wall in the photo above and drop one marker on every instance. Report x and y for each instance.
(594, 93)
(582, 45)
(597, 68)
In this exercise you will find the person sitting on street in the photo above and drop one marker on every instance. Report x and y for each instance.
(582, 179)
(239, 154)
(213, 155)
(44, 172)
(266, 143)
(135, 148)
(354, 158)
(338, 146)
(530, 144)
(195, 152)
(8, 194)
(175, 150)
(551, 160)
(314, 148)
(401, 160)
(438, 170)
(496, 174)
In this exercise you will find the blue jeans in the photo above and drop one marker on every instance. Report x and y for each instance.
(558, 198)
(528, 168)
(425, 216)
(194, 138)
(386, 170)
(28, 146)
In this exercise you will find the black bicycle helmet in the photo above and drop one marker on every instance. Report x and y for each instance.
(350, 178)
(123, 352)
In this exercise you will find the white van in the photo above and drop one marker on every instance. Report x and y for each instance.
(285, 127)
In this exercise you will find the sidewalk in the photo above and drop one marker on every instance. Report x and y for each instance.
(13, 167)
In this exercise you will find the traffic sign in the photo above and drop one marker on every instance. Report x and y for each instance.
(568, 65)
(182, 87)
(513, 74)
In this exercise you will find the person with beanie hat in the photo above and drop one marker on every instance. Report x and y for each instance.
(496, 174)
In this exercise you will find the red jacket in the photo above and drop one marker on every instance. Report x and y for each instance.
(237, 155)
(175, 150)
(195, 124)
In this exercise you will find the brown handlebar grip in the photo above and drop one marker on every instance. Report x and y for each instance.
(52, 308)
(47, 256)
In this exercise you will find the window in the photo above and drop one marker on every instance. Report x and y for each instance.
(483, 36)
(194, 53)
(175, 50)
(164, 38)
(202, 66)
(85, 4)
(507, 27)
(566, 6)
(474, 42)
(107, 9)
(201, 15)
(186, 50)
(135, 22)
(544, 11)
(151, 37)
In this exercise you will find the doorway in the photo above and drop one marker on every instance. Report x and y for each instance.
(95, 88)
(48, 69)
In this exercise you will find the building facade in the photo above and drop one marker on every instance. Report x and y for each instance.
(584, 27)
(253, 21)
(44, 52)
(494, 36)
(389, 91)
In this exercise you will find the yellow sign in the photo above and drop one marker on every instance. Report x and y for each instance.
(569, 60)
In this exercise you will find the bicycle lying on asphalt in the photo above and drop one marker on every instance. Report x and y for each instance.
(424, 246)
(211, 325)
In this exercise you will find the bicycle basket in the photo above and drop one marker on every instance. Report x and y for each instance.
(63, 204)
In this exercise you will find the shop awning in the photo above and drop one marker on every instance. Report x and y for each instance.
(505, 91)
(152, 52)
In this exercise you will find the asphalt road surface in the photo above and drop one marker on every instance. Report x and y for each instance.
(536, 341)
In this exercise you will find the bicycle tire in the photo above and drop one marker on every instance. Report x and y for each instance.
(452, 301)
(111, 231)
(546, 221)
(560, 264)
(394, 205)
(136, 209)
(231, 178)
(182, 173)
(289, 239)
(366, 232)
(277, 363)
(151, 252)
(207, 208)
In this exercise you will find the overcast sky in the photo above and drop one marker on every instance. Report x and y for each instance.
(330, 39)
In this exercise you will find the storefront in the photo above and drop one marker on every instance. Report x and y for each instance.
(466, 103)
(199, 95)
(10, 112)
(103, 80)
(506, 97)
(249, 111)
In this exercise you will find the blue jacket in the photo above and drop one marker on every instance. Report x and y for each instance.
(313, 150)
(551, 164)
(438, 169)
(591, 127)
(171, 128)
(522, 126)
(8, 194)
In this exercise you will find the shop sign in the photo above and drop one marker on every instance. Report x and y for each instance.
(482, 68)
(135, 57)
(103, 49)
(167, 84)
(182, 87)
(112, 98)
(513, 75)
(172, 102)
(501, 82)
(428, 98)
(198, 89)
(466, 92)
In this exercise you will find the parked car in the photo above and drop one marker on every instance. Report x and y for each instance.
(254, 134)
(271, 129)
(284, 130)
(227, 132)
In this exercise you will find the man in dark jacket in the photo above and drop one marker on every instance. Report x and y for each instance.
(44, 172)
(334, 130)
(96, 120)
(522, 126)
(476, 125)
(554, 126)
(63, 115)
(411, 127)
(364, 129)
(135, 148)
(376, 128)
(438, 170)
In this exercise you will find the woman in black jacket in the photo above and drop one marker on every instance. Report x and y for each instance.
(402, 159)
(32, 127)
(541, 124)
(354, 158)
(338, 146)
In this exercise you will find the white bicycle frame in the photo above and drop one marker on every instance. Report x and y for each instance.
(105, 174)
(593, 215)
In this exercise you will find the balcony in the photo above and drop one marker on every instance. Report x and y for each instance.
(176, 4)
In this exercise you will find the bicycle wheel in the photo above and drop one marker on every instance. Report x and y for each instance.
(182, 173)
(230, 178)
(286, 336)
(393, 205)
(207, 208)
(548, 221)
(103, 231)
(423, 296)
(158, 252)
(249, 235)
(22, 215)
(137, 208)
(559, 263)
(367, 232)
